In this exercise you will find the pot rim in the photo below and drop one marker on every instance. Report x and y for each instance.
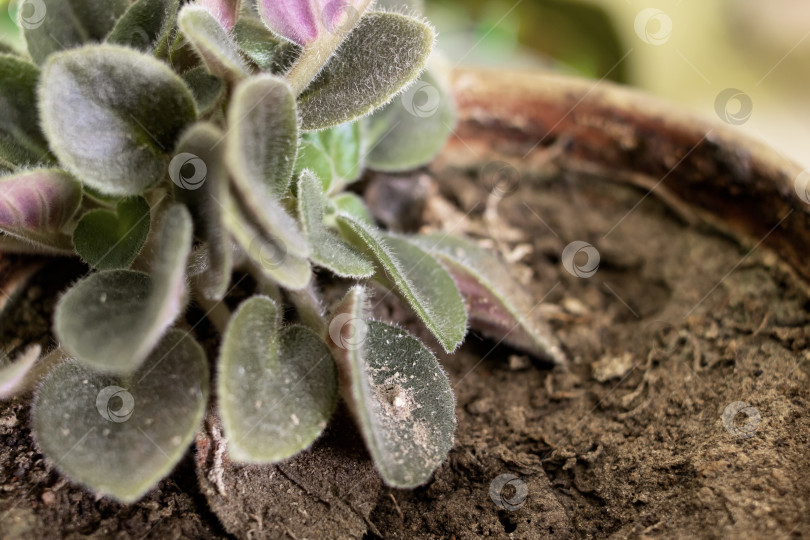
(712, 172)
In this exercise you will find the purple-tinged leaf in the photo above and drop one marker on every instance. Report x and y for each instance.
(42, 201)
(13, 374)
(24, 372)
(36, 205)
(498, 305)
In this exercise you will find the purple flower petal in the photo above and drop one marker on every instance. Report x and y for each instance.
(339, 16)
(39, 201)
(224, 11)
(304, 21)
(294, 20)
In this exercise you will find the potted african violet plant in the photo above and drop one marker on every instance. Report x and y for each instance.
(167, 144)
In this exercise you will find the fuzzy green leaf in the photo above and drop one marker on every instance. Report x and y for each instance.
(111, 114)
(208, 203)
(208, 90)
(409, 132)
(261, 146)
(21, 141)
(277, 388)
(269, 253)
(328, 250)
(111, 321)
(351, 205)
(121, 436)
(55, 25)
(212, 43)
(335, 155)
(418, 278)
(146, 25)
(111, 240)
(397, 392)
(498, 305)
(377, 61)
(263, 136)
(36, 205)
(262, 47)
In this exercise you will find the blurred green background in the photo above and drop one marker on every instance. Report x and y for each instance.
(683, 50)
(686, 51)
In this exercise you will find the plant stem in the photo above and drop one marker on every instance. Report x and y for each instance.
(216, 312)
(309, 308)
(265, 286)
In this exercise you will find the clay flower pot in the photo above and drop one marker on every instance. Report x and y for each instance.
(708, 170)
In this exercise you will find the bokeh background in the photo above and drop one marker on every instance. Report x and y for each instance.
(687, 51)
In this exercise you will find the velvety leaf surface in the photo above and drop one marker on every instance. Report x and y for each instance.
(328, 250)
(111, 114)
(111, 321)
(111, 240)
(335, 155)
(397, 391)
(416, 276)
(262, 136)
(36, 205)
(262, 47)
(353, 206)
(207, 204)
(21, 141)
(270, 254)
(498, 305)
(119, 436)
(377, 61)
(55, 25)
(261, 146)
(212, 43)
(277, 388)
(410, 131)
(146, 25)
(208, 90)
